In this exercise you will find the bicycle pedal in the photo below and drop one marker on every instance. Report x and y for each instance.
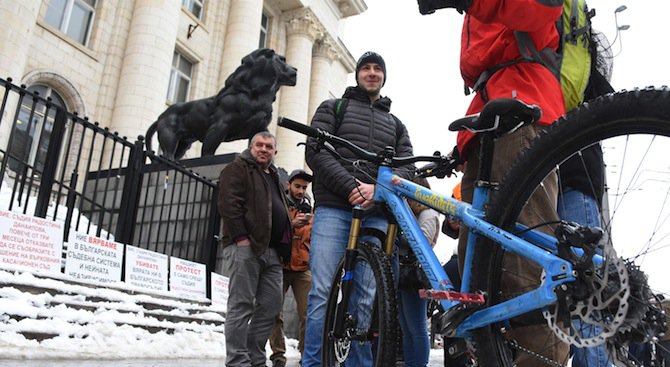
(474, 298)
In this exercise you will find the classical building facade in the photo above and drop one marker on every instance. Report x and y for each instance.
(123, 62)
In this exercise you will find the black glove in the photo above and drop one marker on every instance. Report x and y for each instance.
(455, 157)
(429, 6)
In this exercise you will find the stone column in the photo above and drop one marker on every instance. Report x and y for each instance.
(147, 61)
(303, 29)
(242, 34)
(19, 20)
(324, 54)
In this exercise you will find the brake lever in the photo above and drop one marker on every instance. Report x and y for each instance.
(307, 146)
(329, 148)
(438, 169)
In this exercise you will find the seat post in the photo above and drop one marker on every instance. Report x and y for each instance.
(486, 144)
(483, 181)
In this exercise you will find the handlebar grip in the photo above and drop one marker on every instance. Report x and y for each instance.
(298, 127)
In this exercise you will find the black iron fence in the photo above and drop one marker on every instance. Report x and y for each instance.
(58, 165)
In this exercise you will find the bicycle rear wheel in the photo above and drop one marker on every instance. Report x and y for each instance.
(617, 301)
(370, 315)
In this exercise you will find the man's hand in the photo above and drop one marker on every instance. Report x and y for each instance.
(300, 220)
(243, 242)
(362, 194)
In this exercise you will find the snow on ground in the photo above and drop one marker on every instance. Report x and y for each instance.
(131, 346)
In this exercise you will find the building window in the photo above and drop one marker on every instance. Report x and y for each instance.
(180, 79)
(72, 17)
(193, 6)
(263, 40)
(32, 132)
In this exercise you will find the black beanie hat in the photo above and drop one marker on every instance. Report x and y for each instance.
(368, 57)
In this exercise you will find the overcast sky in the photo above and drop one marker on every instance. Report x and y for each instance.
(422, 52)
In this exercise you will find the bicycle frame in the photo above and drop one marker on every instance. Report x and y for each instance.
(391, 189)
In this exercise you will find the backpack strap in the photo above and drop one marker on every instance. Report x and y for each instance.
(398, 128)
(488, 73)
(340, 107)
(529, 53)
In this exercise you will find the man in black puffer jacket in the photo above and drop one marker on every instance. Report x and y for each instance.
(337, 187)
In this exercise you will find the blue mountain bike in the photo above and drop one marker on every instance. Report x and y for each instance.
(589, 286)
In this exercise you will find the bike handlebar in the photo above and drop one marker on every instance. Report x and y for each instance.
(378, 158)
(298, 127)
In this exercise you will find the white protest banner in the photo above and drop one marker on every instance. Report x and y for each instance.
(220, 288)
(146, 269)
(188, 279)
(30, 243)
(93, 258)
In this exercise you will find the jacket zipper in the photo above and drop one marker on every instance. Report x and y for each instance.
(372, 127)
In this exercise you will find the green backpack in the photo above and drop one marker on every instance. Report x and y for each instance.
(571, 63)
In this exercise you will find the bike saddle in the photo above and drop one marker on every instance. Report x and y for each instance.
(502, 115)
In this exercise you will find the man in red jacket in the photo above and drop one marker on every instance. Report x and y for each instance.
(492, 65)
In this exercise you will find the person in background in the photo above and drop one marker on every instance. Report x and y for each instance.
(580, 192)
(581, 181)
(256, 236)
(411, 307)
(455, 346)
(296, 273)
(452, 227)
(339, 186)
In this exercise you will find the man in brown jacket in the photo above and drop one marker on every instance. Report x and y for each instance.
(296, 273)
(257, 237)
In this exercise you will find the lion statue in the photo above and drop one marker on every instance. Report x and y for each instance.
(242, 108)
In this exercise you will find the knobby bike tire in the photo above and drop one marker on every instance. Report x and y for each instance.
(384, 325)
(619, 118)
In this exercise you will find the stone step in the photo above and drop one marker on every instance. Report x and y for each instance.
(58, 316)
(41, 308)
(43, 328)
(79, 302)
(17, 304)
(113, 293)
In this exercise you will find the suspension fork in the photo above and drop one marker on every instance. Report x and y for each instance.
(348, 270)
(391, 232)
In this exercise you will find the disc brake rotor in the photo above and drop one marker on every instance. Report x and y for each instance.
(602, 313)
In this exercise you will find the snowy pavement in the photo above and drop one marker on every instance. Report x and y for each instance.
(435, 361)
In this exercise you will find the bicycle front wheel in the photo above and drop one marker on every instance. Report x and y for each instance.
(615, 304)
(368, 314)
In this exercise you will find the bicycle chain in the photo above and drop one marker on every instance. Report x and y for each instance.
(535, 355)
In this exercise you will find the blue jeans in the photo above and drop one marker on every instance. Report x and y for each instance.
(575, 206)
(415, 341)
(330, 233)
